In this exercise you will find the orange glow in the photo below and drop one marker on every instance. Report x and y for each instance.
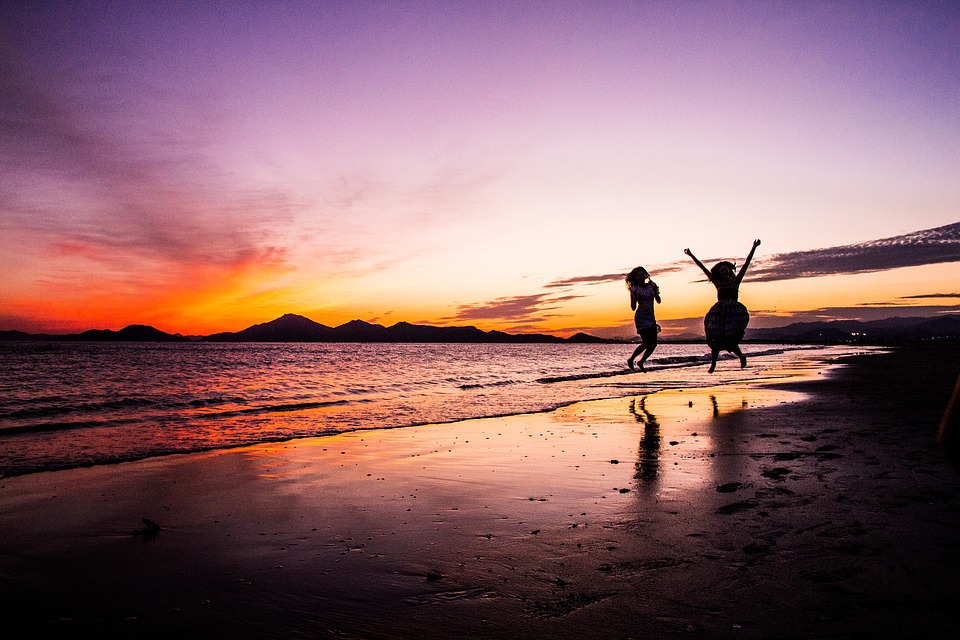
(199, 299)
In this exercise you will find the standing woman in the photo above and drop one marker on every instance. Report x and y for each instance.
(643, 291)
(727, 319)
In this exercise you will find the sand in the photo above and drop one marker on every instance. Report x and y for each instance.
(819, 507)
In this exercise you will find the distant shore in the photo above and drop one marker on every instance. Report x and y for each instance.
(296, 328)
(816, 507)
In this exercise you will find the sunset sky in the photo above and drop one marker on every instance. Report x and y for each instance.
(204, 166)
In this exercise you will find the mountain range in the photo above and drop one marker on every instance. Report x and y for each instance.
(295, 328)
(887, 331)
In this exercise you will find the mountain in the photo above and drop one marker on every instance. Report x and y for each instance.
(287, 328)
(887, 331)
(586, 338)
(132, 333)
(294, 328)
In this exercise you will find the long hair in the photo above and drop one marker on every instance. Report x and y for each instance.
(636, 277)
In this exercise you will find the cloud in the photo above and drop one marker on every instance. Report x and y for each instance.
(924, 296)
(672, 267)
(572, 282)
(514, 309)
(928, 246)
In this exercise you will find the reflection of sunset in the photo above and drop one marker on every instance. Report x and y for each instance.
(658, 446)
(679, 438)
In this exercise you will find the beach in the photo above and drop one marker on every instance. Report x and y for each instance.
(814, 504)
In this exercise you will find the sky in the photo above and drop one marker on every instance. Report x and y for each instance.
(205, 166)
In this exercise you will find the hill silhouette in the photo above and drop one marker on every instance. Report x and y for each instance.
(877, 332)
(296, 328)
(287, 328)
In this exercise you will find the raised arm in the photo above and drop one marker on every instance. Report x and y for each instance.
(699, 264)
(743, 269)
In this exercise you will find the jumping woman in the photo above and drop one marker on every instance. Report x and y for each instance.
(727, 319)
(643, 291)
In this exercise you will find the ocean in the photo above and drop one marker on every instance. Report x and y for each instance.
(71, 404)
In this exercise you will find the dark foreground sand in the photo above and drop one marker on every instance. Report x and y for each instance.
(743, 512)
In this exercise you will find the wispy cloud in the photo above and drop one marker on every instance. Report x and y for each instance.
(924, 296)
(572, 282)
(658, 270)
(514, 309)
(928, 246)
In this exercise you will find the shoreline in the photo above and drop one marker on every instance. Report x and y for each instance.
(473, 402)
(745, 511)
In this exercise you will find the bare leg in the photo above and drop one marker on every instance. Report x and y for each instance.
(646, 354)
(713, 359)
(735, 349)
(636, 352)
(648, 342)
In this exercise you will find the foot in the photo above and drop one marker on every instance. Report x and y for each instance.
(743, 362)
(713, 365)
(630, 363)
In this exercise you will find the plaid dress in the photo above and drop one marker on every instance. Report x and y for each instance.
(727, 320)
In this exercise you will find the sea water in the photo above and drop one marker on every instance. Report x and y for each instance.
(69, 404)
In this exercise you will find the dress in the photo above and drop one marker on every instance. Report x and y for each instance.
(644, 294)
(727, 319)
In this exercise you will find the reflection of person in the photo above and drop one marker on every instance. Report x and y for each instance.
(643, 291)
(648, 463)
(950, 429)
(727, 319)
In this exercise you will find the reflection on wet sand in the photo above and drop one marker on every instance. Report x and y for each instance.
(648, 462)
(716, 405)
(716, 452)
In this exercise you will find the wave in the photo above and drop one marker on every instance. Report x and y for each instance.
(66, 409)
(484, 385)
(44, 427)
(52, 427)
(584, 376)
(667, 362)
(277, 408)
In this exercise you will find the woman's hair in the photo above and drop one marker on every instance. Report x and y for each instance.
(636, 277)
(715, 271)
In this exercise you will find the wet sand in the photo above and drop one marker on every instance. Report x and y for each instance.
(818, 508)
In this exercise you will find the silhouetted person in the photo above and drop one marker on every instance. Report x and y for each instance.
(643, 291)
(950, 429)
(727, 319)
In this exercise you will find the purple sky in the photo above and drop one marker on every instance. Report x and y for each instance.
(203, 166)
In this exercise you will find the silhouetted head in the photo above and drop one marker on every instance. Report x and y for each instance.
(723, 271)
(637, 277)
